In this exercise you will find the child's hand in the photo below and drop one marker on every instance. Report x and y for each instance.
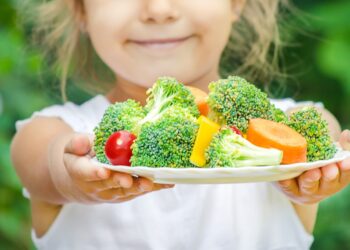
(317, 184)
(91, 184)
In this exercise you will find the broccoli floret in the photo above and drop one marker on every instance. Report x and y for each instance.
(227, 149)
(119, 116)
(310, 124)
(167, 92)
(233, 101)
(166, 142)
(278, 115)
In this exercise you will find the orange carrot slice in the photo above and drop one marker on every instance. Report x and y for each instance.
(200, 99)
(269, 134)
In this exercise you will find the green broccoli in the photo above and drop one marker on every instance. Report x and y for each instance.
(278, 115)
(119, 116)
(167, 92)
(310, 124)
(227, 149)
(233, 101)
(166, 142)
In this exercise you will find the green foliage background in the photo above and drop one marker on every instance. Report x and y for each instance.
(318, 62)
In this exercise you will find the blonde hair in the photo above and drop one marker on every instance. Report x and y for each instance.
(252, 52)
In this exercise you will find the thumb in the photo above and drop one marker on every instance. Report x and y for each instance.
(344, 140)
(79, 144)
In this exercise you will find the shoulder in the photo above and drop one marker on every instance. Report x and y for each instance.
(287, 104)
(81, 118)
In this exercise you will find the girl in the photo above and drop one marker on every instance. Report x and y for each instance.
(78, 206)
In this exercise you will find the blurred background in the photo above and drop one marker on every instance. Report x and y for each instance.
(318, 62)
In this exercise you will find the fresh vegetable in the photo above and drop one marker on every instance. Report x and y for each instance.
(165, 93)
(228, 149)
(166, 142)
(270, 134)
(118, 116)
(169, 134)
(233, 101)
(200, 99)
(118, 148)
(206, 131)
(310, 124)
(236, 130)
(166, 135)
(131, 116)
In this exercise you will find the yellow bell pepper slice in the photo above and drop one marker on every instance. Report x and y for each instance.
(206, 131)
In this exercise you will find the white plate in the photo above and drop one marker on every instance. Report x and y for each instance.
(223, 175)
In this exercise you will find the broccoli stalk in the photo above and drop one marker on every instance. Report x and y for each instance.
(166, 134)
(228, 149)
(166, 92)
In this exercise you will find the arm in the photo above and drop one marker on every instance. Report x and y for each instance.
(312, 186)
(29, 152)
(54, 165)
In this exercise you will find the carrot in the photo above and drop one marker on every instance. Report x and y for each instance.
(200, 99)
(269, 134)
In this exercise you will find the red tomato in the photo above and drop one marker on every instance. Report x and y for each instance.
(118, 148)
(236, 130)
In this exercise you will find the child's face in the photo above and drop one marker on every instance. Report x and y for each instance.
(141, 40)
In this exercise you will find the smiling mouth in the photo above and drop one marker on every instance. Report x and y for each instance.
(167, 43)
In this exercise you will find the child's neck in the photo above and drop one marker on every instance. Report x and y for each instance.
(124, 89)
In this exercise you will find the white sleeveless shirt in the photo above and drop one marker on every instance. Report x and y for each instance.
(187, 217)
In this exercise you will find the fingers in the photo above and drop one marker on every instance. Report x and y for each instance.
(116, 180)
(290, 187)
(309, 182)
(345, 140)
(80, 168)
(80, 144)
(317, 184)
(344, 169)
(329, 182)
(139, 187)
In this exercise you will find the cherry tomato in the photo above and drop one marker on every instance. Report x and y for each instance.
(118, 148)
(236, 130)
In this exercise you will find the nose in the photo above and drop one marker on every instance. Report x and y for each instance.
(159, 11)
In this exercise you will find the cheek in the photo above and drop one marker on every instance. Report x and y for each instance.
(215, 22)
(108, 26)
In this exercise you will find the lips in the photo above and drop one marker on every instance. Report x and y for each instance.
(162, 43)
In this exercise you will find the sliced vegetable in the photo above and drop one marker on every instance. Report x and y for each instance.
(207, 129)
(118, 148)
(200, 99)
(269, 134)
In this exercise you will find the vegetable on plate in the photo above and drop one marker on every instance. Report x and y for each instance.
(206, 131)
(270, 134)
(118, 148)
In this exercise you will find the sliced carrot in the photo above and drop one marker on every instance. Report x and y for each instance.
(269, 134)
(200, 99)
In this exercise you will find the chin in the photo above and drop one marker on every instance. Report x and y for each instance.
(147, 80)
